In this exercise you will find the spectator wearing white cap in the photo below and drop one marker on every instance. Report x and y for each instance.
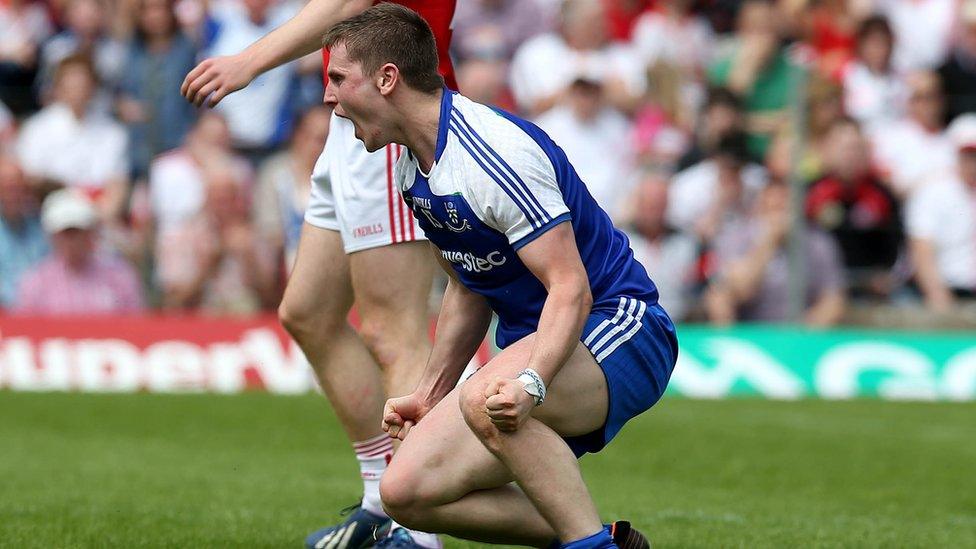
(77, 279)
(941, 223)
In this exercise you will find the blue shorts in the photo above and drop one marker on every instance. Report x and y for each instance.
(636, 346)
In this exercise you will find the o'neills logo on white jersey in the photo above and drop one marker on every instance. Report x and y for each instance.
(474, 264)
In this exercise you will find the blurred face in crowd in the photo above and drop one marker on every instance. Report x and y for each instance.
(75, 87)
(211, 132)
(586, 99)
(875, 50)
(16, 199)
(677, 6)
(482, 80)
(825, 108)
(721, 119)
(85, 18)
(257, 10)
(773, 200)
(925, 100)
(75, 246)
(967, 38)
(651, 199)
(756, 18)
(225, 202)
(847, 151)
(311, 133)
(156, 18)
(584, 24)
(728, 168)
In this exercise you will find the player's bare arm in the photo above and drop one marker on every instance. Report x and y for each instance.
(554, 259)
(301, 35)
(461, 327)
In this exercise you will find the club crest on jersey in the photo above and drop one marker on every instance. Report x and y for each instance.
(454, 221)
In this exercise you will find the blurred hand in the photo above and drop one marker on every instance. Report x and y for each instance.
(219, 76)
(400, 414)
(509, 405)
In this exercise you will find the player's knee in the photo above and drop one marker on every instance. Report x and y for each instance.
(302, 321)
(474, 411)
(295, 318)
(400, 492)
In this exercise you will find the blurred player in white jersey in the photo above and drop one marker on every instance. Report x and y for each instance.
(359, 239)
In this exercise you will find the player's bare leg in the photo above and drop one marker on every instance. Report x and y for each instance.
(451, 473)
(392, 285)
(314, 310)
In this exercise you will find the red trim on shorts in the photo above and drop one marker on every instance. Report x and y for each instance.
(389, 192)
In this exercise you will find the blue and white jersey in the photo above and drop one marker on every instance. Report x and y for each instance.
(497, 184)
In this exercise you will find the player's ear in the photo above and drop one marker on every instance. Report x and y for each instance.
(387, 78)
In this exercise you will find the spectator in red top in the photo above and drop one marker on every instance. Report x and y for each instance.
(851, 203)
(622, 15)
(829, 27)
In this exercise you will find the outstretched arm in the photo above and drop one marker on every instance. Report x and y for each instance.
(299, 36)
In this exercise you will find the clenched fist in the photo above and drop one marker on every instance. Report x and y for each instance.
(508, 404)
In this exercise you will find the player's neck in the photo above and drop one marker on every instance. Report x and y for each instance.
(421, 120)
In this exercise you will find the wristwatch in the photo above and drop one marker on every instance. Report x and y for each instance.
(533, 384)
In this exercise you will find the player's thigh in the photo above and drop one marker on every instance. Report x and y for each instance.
(319, 288)
(392, 283)
(577, 398)
(441, 461)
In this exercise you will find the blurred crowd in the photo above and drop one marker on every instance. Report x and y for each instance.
(771, 160)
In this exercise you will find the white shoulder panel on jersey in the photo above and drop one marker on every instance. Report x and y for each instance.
(506, 177)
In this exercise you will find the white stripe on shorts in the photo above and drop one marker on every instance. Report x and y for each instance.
(625, 336)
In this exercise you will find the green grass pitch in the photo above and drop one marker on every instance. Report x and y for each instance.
(256, 470)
